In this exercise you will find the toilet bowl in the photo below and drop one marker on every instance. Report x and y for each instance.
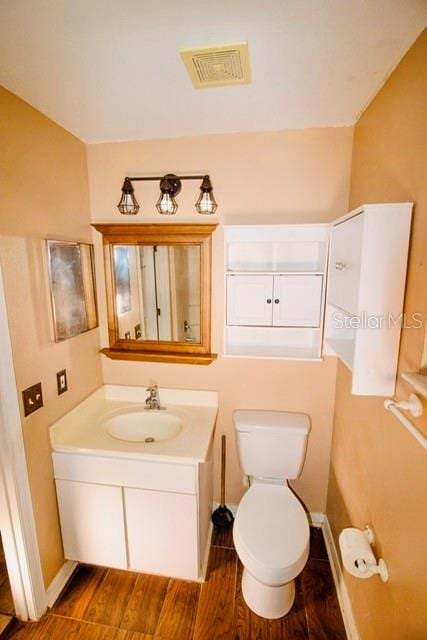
(272, 539)
(271, 531)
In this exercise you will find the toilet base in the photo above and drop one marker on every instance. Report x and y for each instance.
(265, 601)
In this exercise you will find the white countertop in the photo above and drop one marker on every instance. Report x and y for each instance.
(82, 429)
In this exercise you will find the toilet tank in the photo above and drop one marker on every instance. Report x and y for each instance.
(271, 444)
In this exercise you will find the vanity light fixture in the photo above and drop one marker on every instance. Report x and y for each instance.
(170, 186)
(206, 202)
(128, 204)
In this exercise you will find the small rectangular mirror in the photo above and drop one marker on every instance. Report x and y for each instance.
(72, 288)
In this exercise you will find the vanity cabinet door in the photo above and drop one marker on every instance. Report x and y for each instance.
(162, 533)
(92, 523)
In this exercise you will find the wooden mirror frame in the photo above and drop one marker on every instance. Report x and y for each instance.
(159, 234)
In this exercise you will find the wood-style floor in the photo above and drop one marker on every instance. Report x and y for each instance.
(107, 604)
(6, 601)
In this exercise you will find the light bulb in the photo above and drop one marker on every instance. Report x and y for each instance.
(167, 204)
(206, 203)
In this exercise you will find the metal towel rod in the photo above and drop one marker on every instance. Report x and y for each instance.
(415, 407)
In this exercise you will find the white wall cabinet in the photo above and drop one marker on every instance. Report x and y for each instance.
(276, 301)
(364, 277)
(275, 276)
(366, 285)
(135, 514)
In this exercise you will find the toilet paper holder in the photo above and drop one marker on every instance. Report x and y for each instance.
(357, 565)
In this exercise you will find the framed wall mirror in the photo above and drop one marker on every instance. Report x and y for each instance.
(72, 288)
(158, 280)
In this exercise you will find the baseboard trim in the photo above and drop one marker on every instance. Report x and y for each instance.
(316, 519)
(340, 586)
(55, 588)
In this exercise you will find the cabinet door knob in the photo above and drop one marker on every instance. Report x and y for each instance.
(276, 301)
(268, 300)
(339, 266)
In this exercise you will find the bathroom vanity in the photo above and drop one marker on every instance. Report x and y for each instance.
(138, 504)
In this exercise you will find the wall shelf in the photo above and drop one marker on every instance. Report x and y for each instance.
(344, 349)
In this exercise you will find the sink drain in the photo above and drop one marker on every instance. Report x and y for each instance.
(150, 439)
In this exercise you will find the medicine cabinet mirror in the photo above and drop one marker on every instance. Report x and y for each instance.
(158, 280)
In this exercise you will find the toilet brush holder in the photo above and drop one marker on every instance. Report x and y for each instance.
(222, 516)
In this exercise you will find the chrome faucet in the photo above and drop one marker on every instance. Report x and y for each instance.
(153, 400)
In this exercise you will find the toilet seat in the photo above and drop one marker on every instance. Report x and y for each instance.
(271, 533)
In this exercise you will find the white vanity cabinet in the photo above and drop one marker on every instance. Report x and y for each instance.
(130, 513)
(366, 285)
(275, 289)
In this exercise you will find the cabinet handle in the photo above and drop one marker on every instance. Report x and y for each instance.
(268, 300)
(339, 266)
(276, 301)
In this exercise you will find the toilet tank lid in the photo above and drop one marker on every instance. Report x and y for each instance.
(266, 420)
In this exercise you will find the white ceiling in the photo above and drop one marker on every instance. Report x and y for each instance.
(110, 70)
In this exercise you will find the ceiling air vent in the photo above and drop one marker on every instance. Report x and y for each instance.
(218, 66)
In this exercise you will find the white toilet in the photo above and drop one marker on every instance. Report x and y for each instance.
(271, 531)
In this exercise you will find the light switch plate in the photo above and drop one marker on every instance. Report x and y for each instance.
(32, 398)
(61, 381)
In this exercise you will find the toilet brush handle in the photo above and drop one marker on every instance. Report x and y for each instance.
(222, 470)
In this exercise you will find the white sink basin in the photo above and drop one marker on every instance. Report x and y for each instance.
(139, 425)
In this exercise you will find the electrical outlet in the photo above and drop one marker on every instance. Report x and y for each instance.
(61, 381)
(32, 398)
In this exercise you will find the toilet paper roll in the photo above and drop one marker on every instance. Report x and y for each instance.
(356, 553)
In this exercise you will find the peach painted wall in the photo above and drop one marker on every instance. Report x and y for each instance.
(44, 194)
(378, 470)
(289, 176)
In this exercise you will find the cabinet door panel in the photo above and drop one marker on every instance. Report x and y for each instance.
(247, 300)
(162, 533)
(297, 301)
(92, 523)
(344, 275)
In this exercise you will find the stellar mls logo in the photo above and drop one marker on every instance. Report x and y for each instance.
(366, 321)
